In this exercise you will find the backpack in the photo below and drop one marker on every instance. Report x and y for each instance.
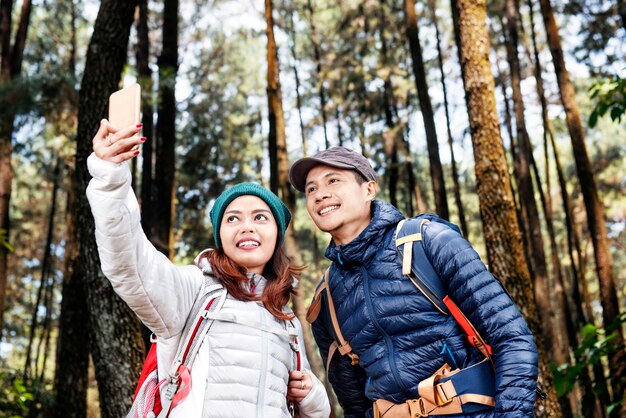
(474, 385)
(147, 401)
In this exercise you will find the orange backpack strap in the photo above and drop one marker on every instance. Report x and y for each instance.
(340, 344)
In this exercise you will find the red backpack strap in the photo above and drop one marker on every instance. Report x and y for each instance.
(178, 381)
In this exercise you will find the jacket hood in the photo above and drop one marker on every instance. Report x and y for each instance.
(365, 246)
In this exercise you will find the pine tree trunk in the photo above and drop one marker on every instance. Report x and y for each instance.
(317, 53)
(147, 149)
(116, 345)
(527, 197)
(72, 353)
(45, 268)
(296, 76)
(72, 360)
(419, 72)
(454, 169)
(280, 184)
(10, 68)
(593, 205)
(500, 227)
(164, 167)
(570, 315)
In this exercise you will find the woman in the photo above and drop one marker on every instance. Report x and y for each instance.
(241, 369)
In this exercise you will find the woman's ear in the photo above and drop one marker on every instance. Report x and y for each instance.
(372, 189)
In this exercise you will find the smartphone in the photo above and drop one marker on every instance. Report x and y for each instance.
(125, 107)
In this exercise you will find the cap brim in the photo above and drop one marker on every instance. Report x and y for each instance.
(300, 170)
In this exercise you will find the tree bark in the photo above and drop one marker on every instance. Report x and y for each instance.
(500, 227)
(280, 172)
(70, 381)
(419, 72)
(72, 353)
(317, 53)
(116, 344)
(296, 75)
(164, 167)
(147, 149)
(10, 68)
(390, 139)
(593, 205)
(527, 196)
(570, 315)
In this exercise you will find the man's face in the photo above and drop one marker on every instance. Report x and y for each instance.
(337, 203)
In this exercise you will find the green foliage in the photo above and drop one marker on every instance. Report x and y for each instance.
(4, 242)
(20, 398)
(610, 96)
(595, 345)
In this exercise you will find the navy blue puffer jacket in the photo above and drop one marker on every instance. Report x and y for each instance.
(401, 338)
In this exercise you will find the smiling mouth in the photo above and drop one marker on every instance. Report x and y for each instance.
(328, 209)
(248, 244)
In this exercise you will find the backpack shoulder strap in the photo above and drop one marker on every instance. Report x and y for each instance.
(178, 381)
(324, 298)
(415, 264)
(418, 268)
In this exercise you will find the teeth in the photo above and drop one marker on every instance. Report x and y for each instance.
(328, 209)
(248, 244)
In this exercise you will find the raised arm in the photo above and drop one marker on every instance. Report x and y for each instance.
(159, 292)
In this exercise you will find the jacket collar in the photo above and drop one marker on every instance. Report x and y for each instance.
(365, 246)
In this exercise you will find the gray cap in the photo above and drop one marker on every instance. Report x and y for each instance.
(339, 157)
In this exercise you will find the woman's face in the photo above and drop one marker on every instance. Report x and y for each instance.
(249, 232)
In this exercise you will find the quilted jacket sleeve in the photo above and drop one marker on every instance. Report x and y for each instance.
(483, 299)
(160, 293)
(348, 381)
(315, 404)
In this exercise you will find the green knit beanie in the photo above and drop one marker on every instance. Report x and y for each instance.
(278, 208)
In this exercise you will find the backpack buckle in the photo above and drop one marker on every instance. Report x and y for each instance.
(172, 386)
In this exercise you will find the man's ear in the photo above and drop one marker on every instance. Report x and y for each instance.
(372, 189)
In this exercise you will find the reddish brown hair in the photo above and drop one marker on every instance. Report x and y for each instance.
(279, 273)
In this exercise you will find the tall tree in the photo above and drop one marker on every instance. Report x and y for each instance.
(11, 56)
(45, 268)
(570, 315)
(70, 381)
(317, 54)
(527, 194)
(455, 172)
(72, 354)
(390, 136)
(277, 137)
(419, 72)
(594, 209)
(279, 168)
(163, 183)
(145, 80)
(116, 344)
(500, 227)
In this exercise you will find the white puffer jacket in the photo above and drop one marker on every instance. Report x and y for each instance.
(242, 368)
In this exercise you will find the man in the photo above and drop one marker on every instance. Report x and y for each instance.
(400, 338)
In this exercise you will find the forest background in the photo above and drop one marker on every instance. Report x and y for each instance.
(503, 116)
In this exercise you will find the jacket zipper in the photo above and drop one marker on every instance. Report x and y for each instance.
(386, 337)
(263, 370)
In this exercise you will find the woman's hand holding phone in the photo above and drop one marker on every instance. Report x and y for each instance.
(115, 145)
(118, 138)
